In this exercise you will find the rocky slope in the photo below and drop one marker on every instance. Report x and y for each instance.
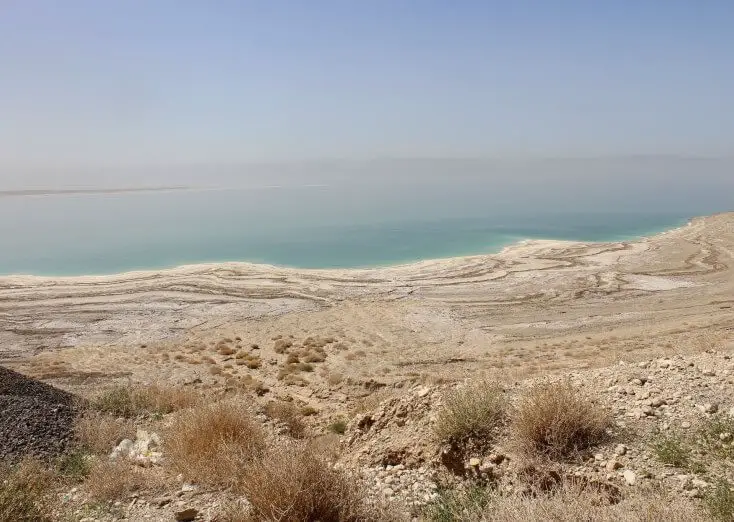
(35, 418)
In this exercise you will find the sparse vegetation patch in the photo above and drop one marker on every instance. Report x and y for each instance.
(554, 420)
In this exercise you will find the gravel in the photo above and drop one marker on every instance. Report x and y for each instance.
(36, 419)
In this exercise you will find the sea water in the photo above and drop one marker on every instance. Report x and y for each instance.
(342, 221)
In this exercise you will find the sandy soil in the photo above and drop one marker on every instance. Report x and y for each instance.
(535, 307)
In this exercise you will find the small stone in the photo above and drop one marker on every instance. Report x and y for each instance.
(163, 501)
(620, 449)
(629, 477)
(424, 391)
(683, 479)
(613, 465)
(388, 492)
(474, 462)
(725, 437)
(657, 402)
(186, 515)
(685, 425)
(710, 408)
(599, 456)
(496, 458)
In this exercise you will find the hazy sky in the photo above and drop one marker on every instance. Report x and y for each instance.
(122, 82)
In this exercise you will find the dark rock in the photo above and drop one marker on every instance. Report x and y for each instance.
(186, 515)
(36, 419)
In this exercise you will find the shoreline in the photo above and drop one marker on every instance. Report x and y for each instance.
(86, 192)
(541, 287)
(192, 268)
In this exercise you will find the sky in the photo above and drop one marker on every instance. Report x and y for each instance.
(116, 83)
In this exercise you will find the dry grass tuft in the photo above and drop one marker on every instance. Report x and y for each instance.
(554, 420)
(294, 482)
(226, 350)
(288, 414)
(113, 480)
(24, 492)
(281, 345)
(211, 443)
(100, 433)
(315, 357)
(136, 400)
(569, 503)
(471, 414)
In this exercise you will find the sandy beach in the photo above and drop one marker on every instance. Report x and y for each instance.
(535, 306)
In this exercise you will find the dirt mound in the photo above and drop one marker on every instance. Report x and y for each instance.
(35, 418)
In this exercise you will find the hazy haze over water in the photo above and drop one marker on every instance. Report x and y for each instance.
(348, 213)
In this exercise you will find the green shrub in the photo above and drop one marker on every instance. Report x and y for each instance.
(338, 426)
(136, 400)
(24, 492)
(719, 501)
(74, 465)
(672, 451)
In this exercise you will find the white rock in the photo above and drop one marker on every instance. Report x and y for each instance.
(123, 449)
(620, 449)
(629, 477)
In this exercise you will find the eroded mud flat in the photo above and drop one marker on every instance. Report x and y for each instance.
(534, 306)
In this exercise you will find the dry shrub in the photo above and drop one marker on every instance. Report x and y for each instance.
(100, 433)
(281, 345)
(226, 350)
(211, 443)
(288, 414)
(567, 504)
(135, 400)
(471, 414)
(113, 480)
(24, 492)
(308, 411)
(294, 380)
(232, 511)
(554, 420)
(254, 363)
(315, 357)
(294, 482)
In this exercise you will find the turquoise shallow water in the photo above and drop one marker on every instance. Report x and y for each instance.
(354, 214)
(310, 227)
